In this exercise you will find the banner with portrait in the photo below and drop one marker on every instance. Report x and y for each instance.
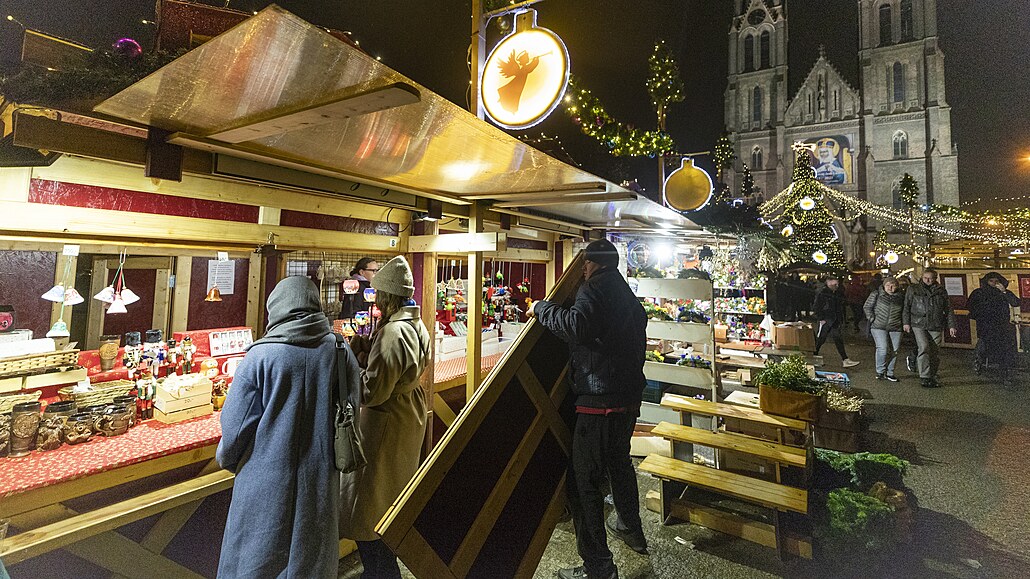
(832, 159)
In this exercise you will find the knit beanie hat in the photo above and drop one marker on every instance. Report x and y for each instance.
(603, 252)
(395, 278)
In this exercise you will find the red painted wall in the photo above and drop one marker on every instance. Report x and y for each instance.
(24, 276)
(231, 311)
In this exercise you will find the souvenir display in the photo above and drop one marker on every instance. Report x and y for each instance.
(5, 434)
(108, 351)
(49, 434)
(79, 428)
(6, 318)
(24, 428)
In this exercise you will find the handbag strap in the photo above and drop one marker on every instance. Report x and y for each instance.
(341, 373)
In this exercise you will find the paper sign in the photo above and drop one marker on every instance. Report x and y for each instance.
(954, 287)
(223, 256)
(71, 250)
(1024, 287)
(223, 274)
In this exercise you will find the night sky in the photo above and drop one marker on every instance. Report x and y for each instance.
(609, 41)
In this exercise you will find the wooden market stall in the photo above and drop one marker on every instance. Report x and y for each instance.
(311, 152)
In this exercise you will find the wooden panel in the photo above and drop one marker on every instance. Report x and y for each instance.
(682, 375)
(737, 526)
(694, 406)
(783, 454)
(487, 499)
(676, 289)
(753, 490)
(181, 295)
(680, 331)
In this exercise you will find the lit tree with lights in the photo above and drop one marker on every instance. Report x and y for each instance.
(747, 183)
(806, 221)
(723, 156)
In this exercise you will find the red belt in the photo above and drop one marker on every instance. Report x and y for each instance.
(599, 411)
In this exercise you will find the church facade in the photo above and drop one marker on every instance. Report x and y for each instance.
(863, 138)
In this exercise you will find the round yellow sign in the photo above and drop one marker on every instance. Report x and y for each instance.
(688, 188)
(524, 78)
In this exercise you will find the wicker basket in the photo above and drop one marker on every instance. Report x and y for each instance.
(7, 402)
(99, 393)
(37, 363)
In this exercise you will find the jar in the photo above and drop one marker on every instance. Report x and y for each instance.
(96, 411)
(78, 428)
(24, 428)
(5, 434)
(50, 432)
(116, 419)
(108, 351)
(62, 410)
(130, 407)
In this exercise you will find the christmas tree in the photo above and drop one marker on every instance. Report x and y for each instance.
(909, 191)
(747, 183)
(807, 222)
(723, 156)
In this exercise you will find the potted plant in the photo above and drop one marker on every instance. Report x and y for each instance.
(785, 388)
(840, 423)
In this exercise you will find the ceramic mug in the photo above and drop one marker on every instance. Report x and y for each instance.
(108, 351)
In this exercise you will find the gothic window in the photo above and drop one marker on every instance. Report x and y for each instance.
(749, 53)
(896, 194)
(756, 158)
(764, 49)
(836, 100)
(886, 32)
(756, 108)
(907, 31)
(809, 103)
(900, 145)
(899, 82)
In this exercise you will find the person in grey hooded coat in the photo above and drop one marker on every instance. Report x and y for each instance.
(277, 436)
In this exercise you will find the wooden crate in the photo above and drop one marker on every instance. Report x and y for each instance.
(37, 363)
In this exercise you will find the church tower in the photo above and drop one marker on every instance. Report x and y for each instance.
(756, 94)
(906, 121)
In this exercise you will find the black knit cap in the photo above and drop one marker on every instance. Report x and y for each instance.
(603, 253)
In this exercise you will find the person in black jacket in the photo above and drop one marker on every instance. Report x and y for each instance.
(990, 305)
(363, 273)
(829, 309)
(606, 333)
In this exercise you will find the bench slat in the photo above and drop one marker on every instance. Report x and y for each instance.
(694, 406)
(770, 450)
(753, 490)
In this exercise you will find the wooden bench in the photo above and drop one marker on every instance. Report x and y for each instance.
(679, 472)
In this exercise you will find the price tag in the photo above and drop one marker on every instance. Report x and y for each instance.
(223, 256)
(71, 250)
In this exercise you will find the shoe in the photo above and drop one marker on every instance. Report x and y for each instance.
(635, 541)
(930, 383)
(908, 364)
(581, 573)
(880, 376)
(892, 378)
(849, 363)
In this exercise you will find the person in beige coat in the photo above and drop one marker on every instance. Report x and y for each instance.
(392, 421)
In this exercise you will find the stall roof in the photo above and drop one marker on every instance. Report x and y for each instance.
(283, 91)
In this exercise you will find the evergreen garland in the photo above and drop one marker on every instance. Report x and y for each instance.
(663, 82)
(589, 113)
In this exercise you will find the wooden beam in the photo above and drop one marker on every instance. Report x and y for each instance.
(427, 298)
(162, 300)
(458, 242)
(737, 526)
(474, 297)
(588, 187)
(566, 200)
(255, 298)
(95, 319)
(181, 294)
(139, 247)
(14, 183)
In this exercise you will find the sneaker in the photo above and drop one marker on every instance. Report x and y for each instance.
(930, 383)
(908, 364)
(635, 541)
(849, 363)
(581, 573)
(892, 378)
(879, 376)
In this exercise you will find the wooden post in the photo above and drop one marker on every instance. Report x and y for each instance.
(478, 57)
(95, 323)
(550, 270)
(181, 295)
(474, 347)
(427, 299)
(255, 295)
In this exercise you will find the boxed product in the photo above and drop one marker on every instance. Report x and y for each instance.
(169, 405)
(185, 386)
(794, 336)
(219, 341)
(173, 417)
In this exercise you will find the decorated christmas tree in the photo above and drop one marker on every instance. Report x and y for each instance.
(723, 156)
(806, 221)
(909, 191)
(747, 183)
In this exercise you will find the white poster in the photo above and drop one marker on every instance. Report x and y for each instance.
(953, 285)
(223, 274)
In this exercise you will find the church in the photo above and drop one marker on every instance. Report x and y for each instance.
(862, 139)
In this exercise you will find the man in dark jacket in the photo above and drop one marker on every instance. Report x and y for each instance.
(927, 314)
(991, 306)
(606, 333)
(829, 310)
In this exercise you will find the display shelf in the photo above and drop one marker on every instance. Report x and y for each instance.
(737, 313)
(679, 331)
(679, 375)
(673, 289)
(750, 289)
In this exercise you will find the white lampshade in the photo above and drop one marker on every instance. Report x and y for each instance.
(117, 306)
(60, 330)
(129, 296)
(55, 294)
(72, 297)
(106, 295)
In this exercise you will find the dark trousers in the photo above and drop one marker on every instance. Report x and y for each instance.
(378, 560)
(600, 451)
(830, 330)
(997, 345)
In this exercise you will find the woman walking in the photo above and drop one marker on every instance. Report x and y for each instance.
(277, 436)
(883, 309)
(392, 422)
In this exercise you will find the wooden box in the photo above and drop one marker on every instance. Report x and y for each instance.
(794, 337)
(180, 416)
(800, 405)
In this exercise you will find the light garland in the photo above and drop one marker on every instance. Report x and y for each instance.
(621, 140)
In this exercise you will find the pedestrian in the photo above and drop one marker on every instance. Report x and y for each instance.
(606, 333)
(883, 309)
(364, 272)
(828, 308)
(277, 437)
(856, 293)
(927, 314)
(908, 342)
(392, 421)
(991, 306)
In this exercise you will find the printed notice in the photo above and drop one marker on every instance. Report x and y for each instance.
(953, 285)
(222, 274)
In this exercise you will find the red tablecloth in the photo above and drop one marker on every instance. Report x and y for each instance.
(450, 369)
(146, 441)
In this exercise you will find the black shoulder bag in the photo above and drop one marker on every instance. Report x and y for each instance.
(349, 455)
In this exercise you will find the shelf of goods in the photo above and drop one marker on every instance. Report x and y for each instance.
(697, 380)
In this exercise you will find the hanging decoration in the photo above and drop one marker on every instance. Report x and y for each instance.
(116, 294)
(622, 140)
(688, 188)
(65, 294)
